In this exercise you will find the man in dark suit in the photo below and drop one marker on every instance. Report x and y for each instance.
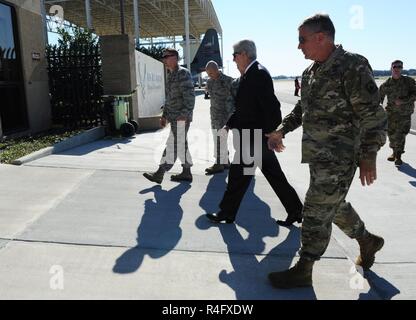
(257, 112)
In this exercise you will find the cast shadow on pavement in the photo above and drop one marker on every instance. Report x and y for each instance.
(251, 266)
(104, 143)
(378, 287)
(410, 171)
(159, 231)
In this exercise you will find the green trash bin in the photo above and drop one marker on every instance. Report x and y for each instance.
(120, 109)
(121, 112)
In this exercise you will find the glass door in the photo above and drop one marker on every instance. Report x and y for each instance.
(13, 112)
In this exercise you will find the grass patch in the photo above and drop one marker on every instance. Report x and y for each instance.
(14, 149)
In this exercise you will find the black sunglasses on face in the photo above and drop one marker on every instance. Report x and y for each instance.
(235, 54)
(397, 67)
(167, 56)
(302, 39)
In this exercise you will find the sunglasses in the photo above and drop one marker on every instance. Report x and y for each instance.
(168, 55)
(235, 54)
(302, 40)
(397, 67)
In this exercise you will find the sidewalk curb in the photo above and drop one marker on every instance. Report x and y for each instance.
(413, 132)
(76, 141)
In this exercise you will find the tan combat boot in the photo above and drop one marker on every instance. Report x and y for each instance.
(298, 276)
(399, 160)
(186, 175)
(156, 177)
(369, 245)
(392, 158)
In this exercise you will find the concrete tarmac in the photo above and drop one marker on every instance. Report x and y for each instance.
(85, 224)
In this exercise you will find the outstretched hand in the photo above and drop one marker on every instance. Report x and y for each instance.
(275, 141)
(368, 172)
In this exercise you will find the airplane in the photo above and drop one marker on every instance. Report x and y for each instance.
(207, 51)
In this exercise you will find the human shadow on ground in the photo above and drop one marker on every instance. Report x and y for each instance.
(379, 287)
(410, 171)
(251, 265)
(249, 277)
(159, 231)
(254, 215)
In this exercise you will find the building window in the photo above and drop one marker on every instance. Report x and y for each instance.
(7, 45)
(13, 114)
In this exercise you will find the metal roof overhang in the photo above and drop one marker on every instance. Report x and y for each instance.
(157, 18)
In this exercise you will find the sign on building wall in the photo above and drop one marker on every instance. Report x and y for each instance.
(151, 85)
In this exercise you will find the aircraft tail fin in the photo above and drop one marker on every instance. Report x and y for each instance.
(207, 51)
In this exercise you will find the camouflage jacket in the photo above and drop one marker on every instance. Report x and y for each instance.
(339, 110)
(404, 89)
(222, 100)
(180, 95)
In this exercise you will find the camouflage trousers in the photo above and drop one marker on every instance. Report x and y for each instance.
(325, 204)
(177, 146)
(398, 128)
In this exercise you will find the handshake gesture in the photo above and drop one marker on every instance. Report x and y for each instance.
(368, 169)
(275, 141)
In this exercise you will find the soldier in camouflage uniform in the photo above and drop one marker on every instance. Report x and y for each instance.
(219, 87)
(343, 126)
(401, 95)
(178, 111)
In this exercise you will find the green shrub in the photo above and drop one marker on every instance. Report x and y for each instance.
(14, 149)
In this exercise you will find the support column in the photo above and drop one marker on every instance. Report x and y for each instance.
(44, 22)
(136, 22)
(187, 41)
(123, 28)
(88, 14)
(222, 52)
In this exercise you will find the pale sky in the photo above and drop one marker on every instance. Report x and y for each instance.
(382, 31)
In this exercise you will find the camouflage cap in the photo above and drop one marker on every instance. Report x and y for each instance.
(169, 52)
(397, 63)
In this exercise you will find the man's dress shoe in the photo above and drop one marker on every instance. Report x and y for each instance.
(218, 218)
(290, 220)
